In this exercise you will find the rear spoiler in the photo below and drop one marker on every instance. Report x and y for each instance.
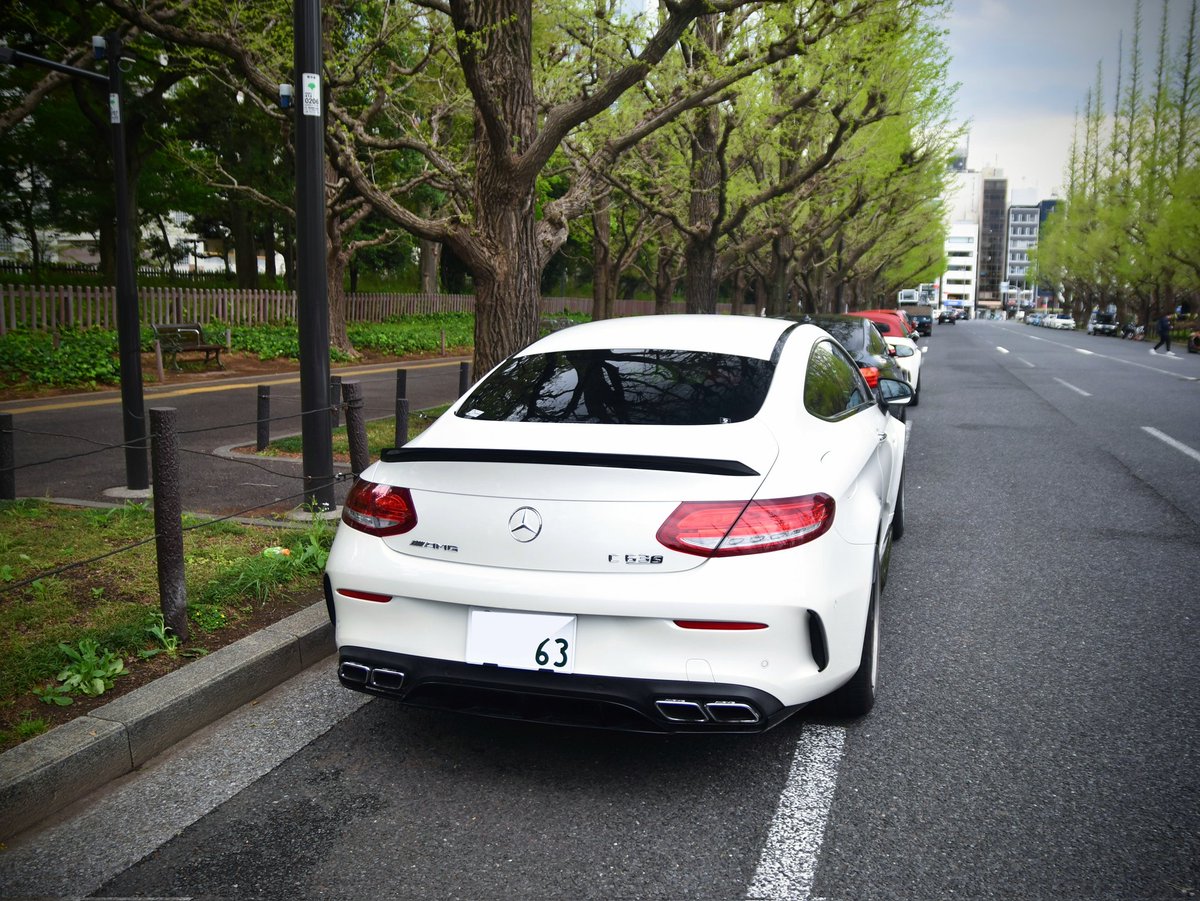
(566, 458)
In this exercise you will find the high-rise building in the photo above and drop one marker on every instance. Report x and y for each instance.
(958, 282)
(1023, 226)
(991, 238)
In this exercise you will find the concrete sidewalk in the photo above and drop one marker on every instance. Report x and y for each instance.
(48, 772)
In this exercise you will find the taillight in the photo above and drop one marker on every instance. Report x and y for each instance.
(871, 374)
(727, 528)
(379, 509)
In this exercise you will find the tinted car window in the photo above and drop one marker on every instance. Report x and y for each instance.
(635, 387)
(875, 342)
(833, 386)
(851, 335)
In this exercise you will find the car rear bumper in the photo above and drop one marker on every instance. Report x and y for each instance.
(607, 702)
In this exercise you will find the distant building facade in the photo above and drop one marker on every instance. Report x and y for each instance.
(992, 233)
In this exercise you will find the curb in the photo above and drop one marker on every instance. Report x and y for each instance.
(46, 773)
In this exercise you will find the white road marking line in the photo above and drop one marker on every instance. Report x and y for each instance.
(787, 865)
(1072, 387)
(1002, 350)
(1026, 362)
(1178, 445)
(1086, 353)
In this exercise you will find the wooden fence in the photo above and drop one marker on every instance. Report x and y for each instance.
(48, 307)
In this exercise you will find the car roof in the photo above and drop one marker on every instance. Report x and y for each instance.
(746, 336)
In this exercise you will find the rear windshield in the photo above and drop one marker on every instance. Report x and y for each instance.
(849, 334)
(634, 387)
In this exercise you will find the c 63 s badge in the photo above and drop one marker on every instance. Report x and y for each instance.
(636, 559)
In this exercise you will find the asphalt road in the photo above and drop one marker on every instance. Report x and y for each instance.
(68, 447)
(1036, 735)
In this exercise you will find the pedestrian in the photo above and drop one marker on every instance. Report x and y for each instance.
(1164, 335)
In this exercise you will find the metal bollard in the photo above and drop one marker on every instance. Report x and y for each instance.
(168, 520)
(464, 378)
(401, 407)
(264, 418)
(356, 426)
(401, 422)
(8, 477)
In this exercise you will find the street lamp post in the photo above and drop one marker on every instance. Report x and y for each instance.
(137, 470)
(129, 338)
(312, 304)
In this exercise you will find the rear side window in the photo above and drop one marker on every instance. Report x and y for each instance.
(875, 342)
(833, 386)
(633, 387)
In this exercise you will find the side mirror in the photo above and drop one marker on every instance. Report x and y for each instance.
(894, 393)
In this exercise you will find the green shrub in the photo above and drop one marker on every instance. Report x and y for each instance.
(83, 357)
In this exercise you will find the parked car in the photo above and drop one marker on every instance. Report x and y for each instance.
(1103, 324)
(573, 540)
(909, 358)
(1033, 319)
(924, 323)
(861, 337)
(890, 322)
(1060, 321)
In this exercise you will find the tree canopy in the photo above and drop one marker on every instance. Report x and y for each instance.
(790, 150)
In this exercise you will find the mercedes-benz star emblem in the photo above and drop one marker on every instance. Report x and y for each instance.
(525, 524)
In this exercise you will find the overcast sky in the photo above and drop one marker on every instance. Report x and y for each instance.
(1025, 66)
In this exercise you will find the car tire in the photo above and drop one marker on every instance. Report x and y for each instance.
(898, 516)
(916, 399)
(857, 697)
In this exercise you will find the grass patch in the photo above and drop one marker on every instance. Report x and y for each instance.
(68, 620)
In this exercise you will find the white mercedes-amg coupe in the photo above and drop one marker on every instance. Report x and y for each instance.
(658, 523)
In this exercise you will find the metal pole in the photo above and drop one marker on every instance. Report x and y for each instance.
(168, 521)
(8, 478)
(129, 337)
(401, 407)
(263, 436)
(311, 286)
(464, 377)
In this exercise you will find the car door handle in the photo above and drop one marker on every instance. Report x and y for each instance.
(882, 436)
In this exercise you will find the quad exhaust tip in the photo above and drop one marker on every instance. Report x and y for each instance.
(379, 677)
(677, 710)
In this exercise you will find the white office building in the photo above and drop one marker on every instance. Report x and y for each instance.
(1023, 223)
(958, 284)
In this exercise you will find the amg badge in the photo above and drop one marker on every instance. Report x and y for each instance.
(635, 559)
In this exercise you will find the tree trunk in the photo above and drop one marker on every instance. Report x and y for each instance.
(601, 257)
(245, 259)
(268, 235)
(336, 263)
(700, 277)
(664, 280)
(700, 254)
(502, 250)
(430, 260)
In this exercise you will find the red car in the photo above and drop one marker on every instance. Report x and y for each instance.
(891, 322)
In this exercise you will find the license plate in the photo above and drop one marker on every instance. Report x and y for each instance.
(534, 641)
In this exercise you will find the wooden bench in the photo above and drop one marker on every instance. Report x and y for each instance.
(186, 337)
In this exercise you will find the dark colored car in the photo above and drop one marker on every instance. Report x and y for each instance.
(864, 343)
(1103, 324)
(947, 315)
(924, 324)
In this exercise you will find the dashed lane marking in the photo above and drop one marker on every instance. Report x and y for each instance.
(787, 865)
